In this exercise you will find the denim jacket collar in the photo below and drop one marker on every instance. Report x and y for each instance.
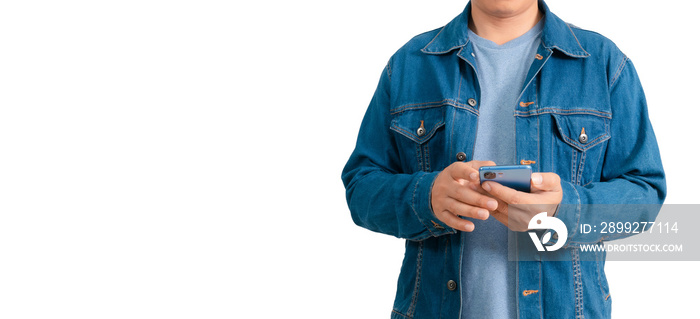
(557, 34)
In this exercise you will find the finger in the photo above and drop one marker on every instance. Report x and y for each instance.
(477, 188)
(464, 171)
(506, 194)
(545, 181)
(468, 196)
(455, 222)
(502, 207)
(469, 170)
(479, 164)
(462, 209)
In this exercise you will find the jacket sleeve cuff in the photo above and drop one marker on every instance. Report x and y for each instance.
(569, 210)
(422, 206)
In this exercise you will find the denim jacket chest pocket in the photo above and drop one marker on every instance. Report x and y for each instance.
(578, 145)
(420, 136)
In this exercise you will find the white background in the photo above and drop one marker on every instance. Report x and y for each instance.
(182, 159)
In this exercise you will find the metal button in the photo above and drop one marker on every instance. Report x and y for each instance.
(452, 285)
(461, 156)
(583, 138)
(421, 130)
(471, 102)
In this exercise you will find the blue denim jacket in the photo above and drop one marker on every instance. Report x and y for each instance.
(579, 84)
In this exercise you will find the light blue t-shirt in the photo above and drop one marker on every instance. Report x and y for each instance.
(488, 278)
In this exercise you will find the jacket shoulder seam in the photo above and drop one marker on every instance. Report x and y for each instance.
(619, 71)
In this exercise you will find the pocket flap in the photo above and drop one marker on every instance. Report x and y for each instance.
(582, 131)
(409, 123)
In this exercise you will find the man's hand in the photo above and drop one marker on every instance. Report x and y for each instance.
(455, 193)
(515, 209)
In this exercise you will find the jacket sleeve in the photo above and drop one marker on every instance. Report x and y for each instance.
(381, 196)
(632, 186)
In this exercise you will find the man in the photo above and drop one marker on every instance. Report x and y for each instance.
(505, 82)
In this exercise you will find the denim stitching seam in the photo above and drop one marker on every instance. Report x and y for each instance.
(578, 285)
(599, 272)
(539, 147)
(591, 144)
(581, 166)
(413, 207)
(425, 105)
(539, 287)
(412, 106)
(578, 209)
(573, 166)
(419, 157)
(459, 88)
(445, 265)
(555, 110)
(452, 131)
(400, 314)
(619, 71)
(426, 158)
(416, 288)
(431, 42)
(411, 136)
(579, 43)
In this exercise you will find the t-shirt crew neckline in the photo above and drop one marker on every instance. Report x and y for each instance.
(521, 40)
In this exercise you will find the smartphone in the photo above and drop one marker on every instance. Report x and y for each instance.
(514, 176)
